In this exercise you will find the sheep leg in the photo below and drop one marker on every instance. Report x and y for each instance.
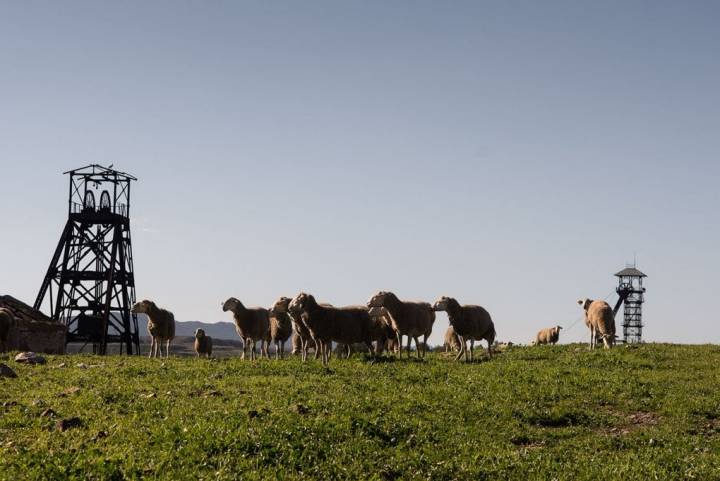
(152, 346)
(303, 349)
(425, 339)
(167, 350)
(417, 346)
(318, 349)
(399, 344)
(461, 352)
(472, 346)
(244, 340)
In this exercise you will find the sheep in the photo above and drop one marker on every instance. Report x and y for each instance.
(280, 326)
(301, 337)
(203, 344)
(161, 326)
(452, 343)
(550, 335)
(412, 319)
(326, 324)
(469, 322)
(600, 319)
(252, 325)
(7, 322)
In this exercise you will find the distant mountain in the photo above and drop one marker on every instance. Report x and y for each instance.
(216, 330)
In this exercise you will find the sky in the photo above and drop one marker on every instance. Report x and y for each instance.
(510, 154)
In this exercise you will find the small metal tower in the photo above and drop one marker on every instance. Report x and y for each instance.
(90, 285)
(632, 293)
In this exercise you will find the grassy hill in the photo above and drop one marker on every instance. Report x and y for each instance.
(647, 412)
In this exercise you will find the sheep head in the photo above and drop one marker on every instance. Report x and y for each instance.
(281, 306)
(380, 299)
(585, 303)
(231, 304)
(447, 304)
(143, 307)
(199, 333)
(300, 303)
(442, 304)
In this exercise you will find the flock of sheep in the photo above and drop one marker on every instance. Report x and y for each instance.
(383, 321)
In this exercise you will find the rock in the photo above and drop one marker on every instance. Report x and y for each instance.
(29, 358)
(299, 409)
(5, 371)
(70, 423)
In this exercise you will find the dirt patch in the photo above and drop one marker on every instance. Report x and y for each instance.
(632, 422)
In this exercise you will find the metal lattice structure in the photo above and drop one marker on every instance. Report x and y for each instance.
(631, 293)
(90, 284)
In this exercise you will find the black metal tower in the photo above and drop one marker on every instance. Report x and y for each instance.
(632, 294)
(90, 286)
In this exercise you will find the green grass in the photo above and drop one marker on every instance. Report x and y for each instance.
(562, 412)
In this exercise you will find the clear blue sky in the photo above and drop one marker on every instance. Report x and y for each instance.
(510, 154)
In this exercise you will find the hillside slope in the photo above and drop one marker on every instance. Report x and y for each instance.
(552, 412)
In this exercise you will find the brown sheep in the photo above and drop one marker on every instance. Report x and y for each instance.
(161, 326)
(381, 331)
(203, 344)
(471, 323)
(301, 337)
(412, 319)
(551, 335)
(346, 325)
(600, 319)
(280, 326)
(252, 325)
(452, 343)
(7, 321)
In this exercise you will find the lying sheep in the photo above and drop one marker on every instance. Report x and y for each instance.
(280, 326)
(203, 344)
(412, 319)
(252, 325)
(551, 335)
(161, 326)
(345, 325)
(600, 320)
(452, 343)
(7, 321)
(471, 323)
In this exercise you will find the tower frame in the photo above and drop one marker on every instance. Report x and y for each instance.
(631, 293)
(90, 283)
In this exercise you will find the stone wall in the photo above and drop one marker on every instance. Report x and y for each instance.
(33, 330)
